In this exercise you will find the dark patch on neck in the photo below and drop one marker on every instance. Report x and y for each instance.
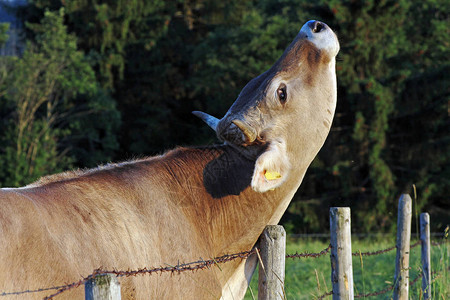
(229, 174)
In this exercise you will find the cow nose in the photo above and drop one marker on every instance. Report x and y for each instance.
(316, 26)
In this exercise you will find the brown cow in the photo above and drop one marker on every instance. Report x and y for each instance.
(188, 204)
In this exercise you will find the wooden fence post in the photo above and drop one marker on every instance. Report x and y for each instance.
(102, 287)
(271, 270)
(341, 253)
(401, 278)
(426, 255)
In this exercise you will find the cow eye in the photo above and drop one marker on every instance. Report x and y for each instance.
(282, 93)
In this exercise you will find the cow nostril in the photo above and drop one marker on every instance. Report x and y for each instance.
(317, 26)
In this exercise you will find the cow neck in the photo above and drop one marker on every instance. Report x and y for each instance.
(230, 212)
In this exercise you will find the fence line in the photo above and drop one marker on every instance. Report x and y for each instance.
(179, 269)
(192, 266)
(17, 293)
(309, 254)
(203, 264)
(340, 219)
(358, 235)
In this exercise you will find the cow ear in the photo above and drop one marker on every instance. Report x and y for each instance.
(271, 168)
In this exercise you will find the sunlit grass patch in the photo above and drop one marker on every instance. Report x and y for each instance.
(309, 278)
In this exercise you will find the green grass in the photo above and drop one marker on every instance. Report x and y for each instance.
(308, 278)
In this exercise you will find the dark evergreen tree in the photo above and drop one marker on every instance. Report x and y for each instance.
(389, 131)
(51, 104)
(3, 33)
(163, 59)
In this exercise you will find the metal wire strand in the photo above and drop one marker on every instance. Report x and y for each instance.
(307, 254)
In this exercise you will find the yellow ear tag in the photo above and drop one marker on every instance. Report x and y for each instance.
(272, 175)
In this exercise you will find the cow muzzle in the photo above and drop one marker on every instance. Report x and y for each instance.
(232, 130)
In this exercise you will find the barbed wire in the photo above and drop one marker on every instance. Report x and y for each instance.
(359, 253)
(308, 254)
(72, 285)
(389, 288)
(31, 291)
(412, 282)
(203, 264)
(443, 241)
(378, 252)
(372, 294)
(415, 244)
(325, 295)
(374, 252)
(179, 268)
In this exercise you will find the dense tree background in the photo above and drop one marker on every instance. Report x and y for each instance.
(112, 80)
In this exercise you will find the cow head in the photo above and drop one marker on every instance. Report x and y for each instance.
(283, 116)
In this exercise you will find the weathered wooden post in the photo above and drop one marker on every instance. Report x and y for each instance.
(401, 278)
(341, 253)
(426, 254)
(102, 287)
(271, 270)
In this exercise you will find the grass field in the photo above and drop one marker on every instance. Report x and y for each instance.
(308, 278)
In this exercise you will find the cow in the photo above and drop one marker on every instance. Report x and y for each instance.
(188, 204)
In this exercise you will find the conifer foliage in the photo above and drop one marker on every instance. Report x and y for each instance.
(103, 80)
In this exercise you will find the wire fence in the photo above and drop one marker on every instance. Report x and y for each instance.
(206, 264)
(340, 240)
(177, 269)
(391, 287)
(308, 254)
